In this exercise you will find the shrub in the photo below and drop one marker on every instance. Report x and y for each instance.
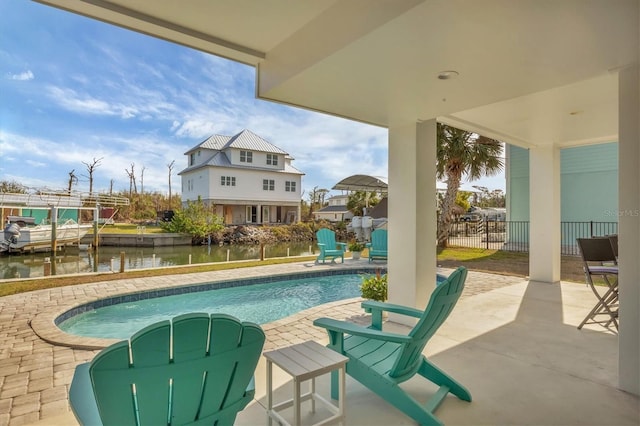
(282, 233)
(196, 219)
(374, 287)
(356, 246)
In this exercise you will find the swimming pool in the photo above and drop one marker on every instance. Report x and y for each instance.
(254, 300)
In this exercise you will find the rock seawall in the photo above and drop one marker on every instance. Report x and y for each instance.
(250, 234)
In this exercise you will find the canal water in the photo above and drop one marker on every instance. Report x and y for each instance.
(77, 261)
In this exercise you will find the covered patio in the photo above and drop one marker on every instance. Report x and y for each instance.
(540, 75)
(512, 343)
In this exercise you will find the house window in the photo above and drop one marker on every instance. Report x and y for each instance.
(227, 180)
(192, 159)
(246, 157)
(272, 159)
(268, 184)
(290, 186)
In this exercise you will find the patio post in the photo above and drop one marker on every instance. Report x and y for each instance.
(412, 214)
(544, 214)
(629, 228)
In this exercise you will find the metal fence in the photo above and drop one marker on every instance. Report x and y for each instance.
(573, 230)
(514, 235)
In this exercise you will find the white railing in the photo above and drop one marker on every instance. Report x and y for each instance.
(47, 198)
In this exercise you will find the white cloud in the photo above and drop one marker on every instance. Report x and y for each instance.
(23, 76)
(33, 163)
(200, 127)
(72, 101)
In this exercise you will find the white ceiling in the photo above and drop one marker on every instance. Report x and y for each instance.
(531, 72)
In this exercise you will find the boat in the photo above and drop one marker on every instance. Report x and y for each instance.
(21, 234)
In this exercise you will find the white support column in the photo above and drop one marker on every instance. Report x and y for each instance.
(412, 214)
(544, 214)
(629, 228)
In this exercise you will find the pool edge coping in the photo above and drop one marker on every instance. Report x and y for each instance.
(44, 324)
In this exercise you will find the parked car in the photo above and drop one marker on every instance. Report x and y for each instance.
(475, 214)
(470, 217)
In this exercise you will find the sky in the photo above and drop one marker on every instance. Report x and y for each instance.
(75, 90)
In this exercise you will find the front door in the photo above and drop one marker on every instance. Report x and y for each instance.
(228, 215)
(265, 214)
(252, 214)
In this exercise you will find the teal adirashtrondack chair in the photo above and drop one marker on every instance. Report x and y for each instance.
(329, 248)
(378, 245)
(381, 360)
(195, 369)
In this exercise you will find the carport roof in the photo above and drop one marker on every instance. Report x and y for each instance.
(362, 183)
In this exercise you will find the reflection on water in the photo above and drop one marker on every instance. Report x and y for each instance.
(74, 261)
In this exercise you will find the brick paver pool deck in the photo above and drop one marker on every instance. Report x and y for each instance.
(35, 373)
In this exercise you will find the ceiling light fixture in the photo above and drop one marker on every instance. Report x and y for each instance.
(447, 75)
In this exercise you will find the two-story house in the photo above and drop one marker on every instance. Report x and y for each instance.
(246, 178)
(336, 211)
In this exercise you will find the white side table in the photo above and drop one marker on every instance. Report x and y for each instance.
(305, 361)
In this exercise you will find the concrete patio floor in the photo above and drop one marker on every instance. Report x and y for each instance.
(513, 343)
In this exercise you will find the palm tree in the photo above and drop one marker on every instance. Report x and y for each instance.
(359, 200)
(461, 153)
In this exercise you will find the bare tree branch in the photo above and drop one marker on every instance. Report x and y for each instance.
(73, 179)
(132, 180)
(170, 167)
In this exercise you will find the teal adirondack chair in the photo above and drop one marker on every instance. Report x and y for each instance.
(204, 377)
(378, 245)
(329, 248)
(381, 360)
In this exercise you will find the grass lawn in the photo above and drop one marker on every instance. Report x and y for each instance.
(21, 286)
(504, 262)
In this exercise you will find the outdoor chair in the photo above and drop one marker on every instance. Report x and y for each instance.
(613, 239)
(381, 361)
(329, 248)
(378, 245)
(195, 369)
(600, 262)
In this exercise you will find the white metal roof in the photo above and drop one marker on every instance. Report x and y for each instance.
(362, 183)
(248, 140)
(215, 142)
(245, 139)
(220, 159)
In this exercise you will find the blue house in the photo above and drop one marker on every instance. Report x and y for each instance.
(588, 187)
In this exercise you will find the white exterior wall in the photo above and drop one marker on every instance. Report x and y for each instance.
(249, 186)
(338, 200)
(259, 159)
(198, 181)
(330, 216)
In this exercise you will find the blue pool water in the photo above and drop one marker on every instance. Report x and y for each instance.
(259, 303)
